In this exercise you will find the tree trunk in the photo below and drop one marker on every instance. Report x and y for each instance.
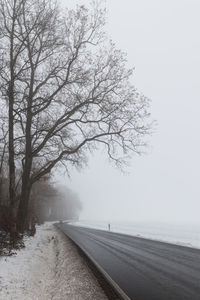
(22, 220)
(12, 193)
(11, 149)
(22, 216)
(12, 196)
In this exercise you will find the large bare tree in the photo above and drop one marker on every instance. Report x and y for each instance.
(67, 90)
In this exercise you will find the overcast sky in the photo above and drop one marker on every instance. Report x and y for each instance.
(162, 41)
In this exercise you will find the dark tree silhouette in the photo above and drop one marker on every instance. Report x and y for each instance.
(67, 90)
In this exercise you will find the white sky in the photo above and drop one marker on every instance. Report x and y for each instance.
(162, 40)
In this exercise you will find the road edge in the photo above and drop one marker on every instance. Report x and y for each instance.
(120, 293)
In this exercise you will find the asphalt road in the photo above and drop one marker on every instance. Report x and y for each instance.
(144, 269)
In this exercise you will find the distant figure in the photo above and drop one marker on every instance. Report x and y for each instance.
(108, 226)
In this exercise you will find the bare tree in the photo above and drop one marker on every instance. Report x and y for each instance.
(68, 90)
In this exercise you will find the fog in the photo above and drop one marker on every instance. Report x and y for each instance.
(162, 42)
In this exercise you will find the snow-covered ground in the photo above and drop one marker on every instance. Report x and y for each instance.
(48, 268)
(181, 234)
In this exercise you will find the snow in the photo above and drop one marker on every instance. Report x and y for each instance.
(49, 267)
(180, 234)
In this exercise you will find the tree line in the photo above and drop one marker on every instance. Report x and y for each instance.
(48, 202)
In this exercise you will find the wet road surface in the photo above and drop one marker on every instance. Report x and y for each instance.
(143, 269)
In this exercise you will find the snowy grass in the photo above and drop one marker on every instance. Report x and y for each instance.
(180, 234)
(49, 267)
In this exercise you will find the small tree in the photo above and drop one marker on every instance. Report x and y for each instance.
(67, 90)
